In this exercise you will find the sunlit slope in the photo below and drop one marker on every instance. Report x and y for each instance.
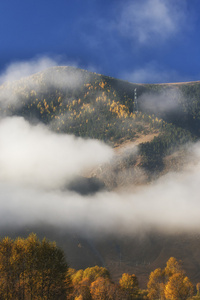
(91, 105)
(77, 94)
(76, 101)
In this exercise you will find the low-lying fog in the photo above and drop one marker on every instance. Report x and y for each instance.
(35, 165)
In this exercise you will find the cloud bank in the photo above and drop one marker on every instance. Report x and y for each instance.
(35, 163)
(170, 205)
(35, 156)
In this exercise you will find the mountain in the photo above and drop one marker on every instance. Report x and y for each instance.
(148, 125)
(91, 105)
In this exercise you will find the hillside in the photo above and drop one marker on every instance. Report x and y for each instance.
(91, 105)
(150, 138)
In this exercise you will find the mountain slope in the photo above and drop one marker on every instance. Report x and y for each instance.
(150, 139)
(91, 105)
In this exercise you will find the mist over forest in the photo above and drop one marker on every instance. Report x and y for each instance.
(79, 163)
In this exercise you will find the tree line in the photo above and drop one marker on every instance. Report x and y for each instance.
(33, 269)
(30, 269)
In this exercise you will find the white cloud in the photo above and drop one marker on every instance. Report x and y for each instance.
(152, 20)
(35, 156)
(169, 205)
(35, 163)
(165, 101)
(21, 69)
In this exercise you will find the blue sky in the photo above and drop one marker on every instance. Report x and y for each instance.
(137, 40)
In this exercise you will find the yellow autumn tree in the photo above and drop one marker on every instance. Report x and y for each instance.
(82, 280)
(7, 276)
(172, 267)
(198, 289)
(19, 261)
(102, 289)
(94, 272)
(156, 285)
(178, 287)
(129, 284)
(30, 269)
(77, 277)
(171, 283)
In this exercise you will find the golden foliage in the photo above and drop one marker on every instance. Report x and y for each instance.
(129, 283)
(178, 287)
(31, 269)
(169, 283)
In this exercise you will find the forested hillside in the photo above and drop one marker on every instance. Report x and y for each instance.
(91, 105)
(148, 126)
